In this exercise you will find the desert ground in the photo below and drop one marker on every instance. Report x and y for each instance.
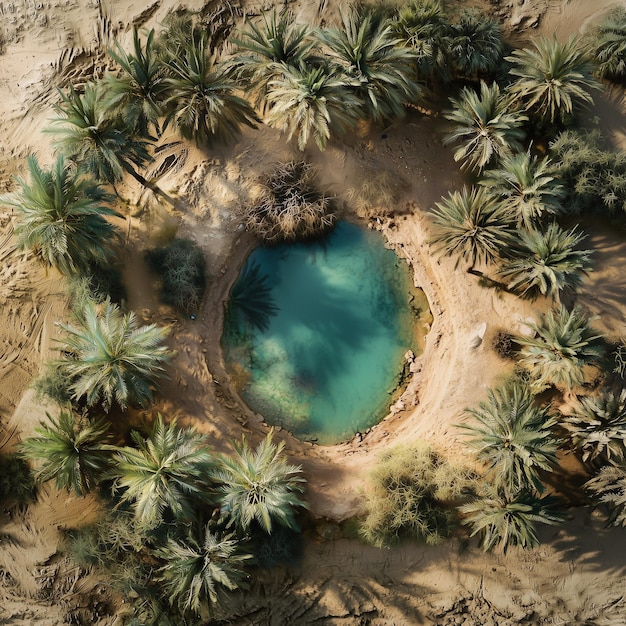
(578, 574)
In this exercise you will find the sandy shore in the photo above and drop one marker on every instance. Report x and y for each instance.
(576, 577)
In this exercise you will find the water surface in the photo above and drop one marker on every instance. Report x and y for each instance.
(316, 332)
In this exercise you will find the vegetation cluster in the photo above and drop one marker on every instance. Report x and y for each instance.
(513, 218)
(181, 266)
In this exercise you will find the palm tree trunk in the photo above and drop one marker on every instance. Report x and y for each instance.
(150, 185)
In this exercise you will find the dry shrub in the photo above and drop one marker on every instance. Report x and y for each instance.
(412, 494)
(181, 267)
(503, 344)
(290, 208)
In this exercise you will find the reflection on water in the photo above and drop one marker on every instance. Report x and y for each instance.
(250, 303)
(321, 329)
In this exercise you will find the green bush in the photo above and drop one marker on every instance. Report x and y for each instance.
(181, 267)
(411, 495)
(107, 542)
(53, 384)
(17, 482)
(594, 178)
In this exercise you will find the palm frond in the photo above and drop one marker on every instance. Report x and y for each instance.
(108, 357)
(471, 225)
(485, 126)
(513, 437)
(529, 187)
(195, 572)
(311, 102)
(165, 471)
(597, 426)
(138, 92)
(202, 101)
(563, 346)
(61, 217)
(504, 521)
(98, 142)
(375, 62)
(259, 485)
(552, 78)
(72, 450)
(545, 262)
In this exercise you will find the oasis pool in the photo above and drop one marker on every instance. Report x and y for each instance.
(316, 333)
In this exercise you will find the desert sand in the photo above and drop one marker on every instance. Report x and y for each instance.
(577, 576)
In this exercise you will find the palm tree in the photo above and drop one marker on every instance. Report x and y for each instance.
(609, 46)
(563, 345)
(61, 218)
(201, 101)
(609, 486)
(527, 186)
(197, 571)
(166, 471)
(485, 126)
(310, 101)
(74, 451)
(471, 225)
(97, 142)
(259, 485)
(597, 426)
(513, 436)
(264, 52)
(545, 262)
(552, 78)
(108, 357)
(138, 92)
(504, 521)
(375, 62)
(477, 45)
(422, 26)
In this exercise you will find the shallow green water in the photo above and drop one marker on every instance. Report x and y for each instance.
(316, 333)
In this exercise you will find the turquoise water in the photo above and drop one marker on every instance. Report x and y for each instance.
(316, 332)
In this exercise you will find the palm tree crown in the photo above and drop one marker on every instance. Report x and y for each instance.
(138, 92)
(61, 217)
(552, 78)
(597, 426)
(545, 262)
(166, 471)
(375, 62)
(472, 225)
(97, 142)
(477, 44)
(484, 125)
(609, 46)
(195, 571)
(259, 485)
(513, 436)
(74, 452)
(609, 486)
(421, 26)
(108, 357)
(504, 521)
(563, 345)
(201, 100)
(263, 52)
(310, 101)
(527, 186)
